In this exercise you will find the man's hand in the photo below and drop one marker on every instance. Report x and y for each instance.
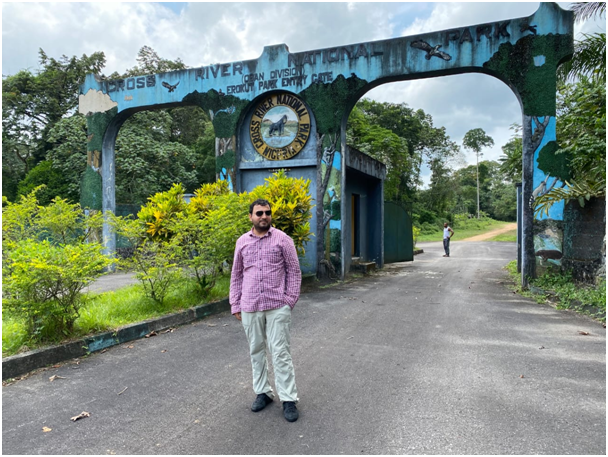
(237, 315)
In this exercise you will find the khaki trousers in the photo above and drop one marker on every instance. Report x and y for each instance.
(269, 330)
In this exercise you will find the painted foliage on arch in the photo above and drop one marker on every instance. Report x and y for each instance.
(530, 65)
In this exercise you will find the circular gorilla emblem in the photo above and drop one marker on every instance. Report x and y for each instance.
(279, 127)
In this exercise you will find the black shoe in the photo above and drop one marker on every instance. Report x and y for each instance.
(290, 411)
(260, 403)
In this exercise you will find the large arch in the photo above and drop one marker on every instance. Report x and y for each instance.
(524, 53)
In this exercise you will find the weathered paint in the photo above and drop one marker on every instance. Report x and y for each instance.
(523, 53)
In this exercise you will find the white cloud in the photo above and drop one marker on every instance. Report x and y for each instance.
(452, 15)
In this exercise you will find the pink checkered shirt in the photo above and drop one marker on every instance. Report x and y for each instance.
(265, 273)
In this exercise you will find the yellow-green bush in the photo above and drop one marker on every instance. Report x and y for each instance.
(201, 235)
(291, 206)
(46, 263)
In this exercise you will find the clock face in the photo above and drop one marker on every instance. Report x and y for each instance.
(280, 126)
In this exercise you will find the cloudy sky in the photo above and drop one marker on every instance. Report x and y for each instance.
(201, 33)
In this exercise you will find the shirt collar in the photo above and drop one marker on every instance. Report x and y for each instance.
(268, 233)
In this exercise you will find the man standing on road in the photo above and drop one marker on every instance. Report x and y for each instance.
(447, 234)
(264, 288)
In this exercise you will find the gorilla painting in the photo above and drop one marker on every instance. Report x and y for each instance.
(278, 126)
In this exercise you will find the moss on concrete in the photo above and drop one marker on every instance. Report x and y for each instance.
(226, 161)
(91, 189)
(97, 124)
(329, 102)
(535, 82)
(224, 123)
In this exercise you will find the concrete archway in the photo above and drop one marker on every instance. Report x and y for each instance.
(524, 53)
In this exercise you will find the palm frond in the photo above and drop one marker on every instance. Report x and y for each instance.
(581, 191)
(589, 59)
(585, 10)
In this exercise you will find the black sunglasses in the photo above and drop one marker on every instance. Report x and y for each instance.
(259, 213)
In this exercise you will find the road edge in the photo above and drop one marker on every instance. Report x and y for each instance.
(21, 364)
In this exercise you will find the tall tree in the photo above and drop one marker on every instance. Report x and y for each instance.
(154, 148)
(401, 137)
(476, 140)
(32, 103)
(185, 133)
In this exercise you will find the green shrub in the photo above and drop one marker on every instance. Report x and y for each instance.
(45, 284)
(155, 258)
(170, 235)
(208, 236)
(160, 210)
(15, 334)
(53, 181)
(46, 263)
(569, 293)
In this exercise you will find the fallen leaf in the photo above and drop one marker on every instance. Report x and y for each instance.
(169, 330)
(46, 429)
(152, 333)
(52, 378)
(583, 333)
(80, 416)
(521, 375)
(57, 366)
(105, 350)
(164, 350)
(211, 325)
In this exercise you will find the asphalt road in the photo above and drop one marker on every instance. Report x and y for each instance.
(434, 356)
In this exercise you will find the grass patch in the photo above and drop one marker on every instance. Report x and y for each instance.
(115, 309)
(469, 228)
(564, 291)
(510, 236)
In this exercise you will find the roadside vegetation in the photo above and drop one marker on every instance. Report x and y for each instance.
(561, 290)
(180, 252)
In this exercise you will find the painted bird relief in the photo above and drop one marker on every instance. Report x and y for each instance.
(169, 86)
(431, 51)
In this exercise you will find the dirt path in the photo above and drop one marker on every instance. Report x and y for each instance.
(492, 234)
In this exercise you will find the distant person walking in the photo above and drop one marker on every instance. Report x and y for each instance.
(264, 288)
(447, 234)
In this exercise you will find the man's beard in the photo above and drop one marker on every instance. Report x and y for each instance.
(262, 228)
